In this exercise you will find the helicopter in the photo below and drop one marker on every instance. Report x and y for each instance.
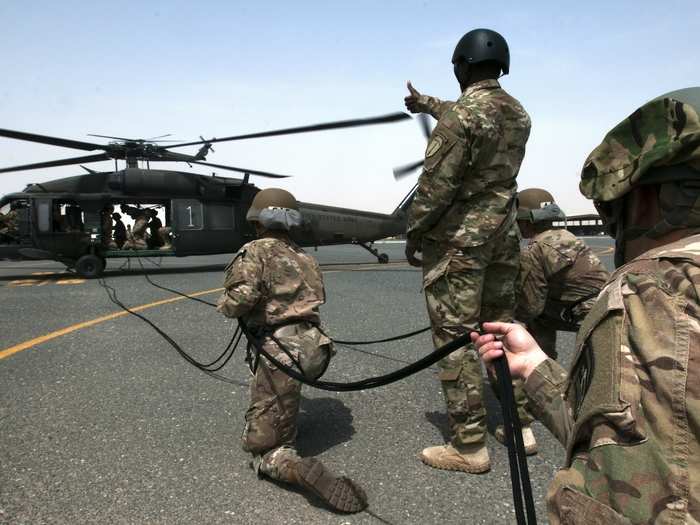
(63, 219)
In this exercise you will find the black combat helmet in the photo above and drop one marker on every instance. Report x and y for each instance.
(480, 45)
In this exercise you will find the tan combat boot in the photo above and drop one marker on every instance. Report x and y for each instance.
(472, 458)
(528, 439)
(338, 492)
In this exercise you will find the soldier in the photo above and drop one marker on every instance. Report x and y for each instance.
(154, 226)
(462, 219)
(137, 240)
(560, 277)
(119, 230)
(107, 228)
(8, 226)
(628, 411)
(166, 234)
(277, 288)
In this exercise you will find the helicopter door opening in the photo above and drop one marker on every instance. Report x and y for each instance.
(140, 226)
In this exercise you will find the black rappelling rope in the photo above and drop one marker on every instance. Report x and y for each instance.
(364, 384)
(207, 368)
(372, 382)
(520, 478)
(339, 341)
(519, 475)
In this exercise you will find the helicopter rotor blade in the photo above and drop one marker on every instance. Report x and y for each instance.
(153, 140)
(54, 163)
(425, 125)
(384, 119)
(242, 170)
(110, 137)
(403, 171)
(53, 141)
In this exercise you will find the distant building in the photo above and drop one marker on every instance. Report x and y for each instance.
(586, 224)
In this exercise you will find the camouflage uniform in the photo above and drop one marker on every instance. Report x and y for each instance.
(278, 289)
(8, 225)
(137, 238)
(560, 278)
(107, 229)
(628, 413)
(463, 220)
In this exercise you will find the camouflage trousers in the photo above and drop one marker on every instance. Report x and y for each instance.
(270, 430)
(462, 289)
(557, 316)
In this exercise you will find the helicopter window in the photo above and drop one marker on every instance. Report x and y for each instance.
(67, 217)
(188, 214)
(43, 212)
(219, 216)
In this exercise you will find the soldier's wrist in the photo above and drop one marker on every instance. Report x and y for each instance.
(534, 359)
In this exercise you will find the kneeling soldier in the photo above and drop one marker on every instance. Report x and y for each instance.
(560, 277)
(277, 288)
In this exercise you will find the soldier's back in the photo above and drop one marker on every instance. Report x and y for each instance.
(569, 266)
(634, 392)
(292, 281)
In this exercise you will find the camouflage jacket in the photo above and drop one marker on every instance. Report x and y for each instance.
(272, 282)
(629, 410)
(465, 191)
(8, 222)
(559, 269)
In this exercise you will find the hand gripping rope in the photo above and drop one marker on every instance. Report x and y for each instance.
(520, 479)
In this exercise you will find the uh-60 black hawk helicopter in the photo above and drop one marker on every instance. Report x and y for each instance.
(63, 219)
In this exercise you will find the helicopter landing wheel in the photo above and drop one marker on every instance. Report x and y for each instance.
(383, 258)
(89, 266)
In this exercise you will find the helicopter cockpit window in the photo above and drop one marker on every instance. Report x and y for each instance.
(14, 221)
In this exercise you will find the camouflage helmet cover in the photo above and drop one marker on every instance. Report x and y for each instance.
(537, 205)
(664, 132)
(533, 198)
(275, 209)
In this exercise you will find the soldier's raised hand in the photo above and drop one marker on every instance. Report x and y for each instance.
(415, 102)
(513, 340)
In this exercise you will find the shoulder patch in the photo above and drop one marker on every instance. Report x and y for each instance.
(434, 145)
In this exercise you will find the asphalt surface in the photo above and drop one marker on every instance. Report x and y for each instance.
(101, 421)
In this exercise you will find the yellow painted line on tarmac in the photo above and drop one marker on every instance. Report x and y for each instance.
(7, 352)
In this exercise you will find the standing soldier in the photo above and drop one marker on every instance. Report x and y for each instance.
(462, 219)
(277, 288)
(107, 228)
(560, 277)
(628, 412)
(119, 230)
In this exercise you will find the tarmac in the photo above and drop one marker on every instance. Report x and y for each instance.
(101, 421)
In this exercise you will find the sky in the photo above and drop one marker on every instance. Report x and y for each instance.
(141, 69)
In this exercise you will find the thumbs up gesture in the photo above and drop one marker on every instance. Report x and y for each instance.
(415, 102)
